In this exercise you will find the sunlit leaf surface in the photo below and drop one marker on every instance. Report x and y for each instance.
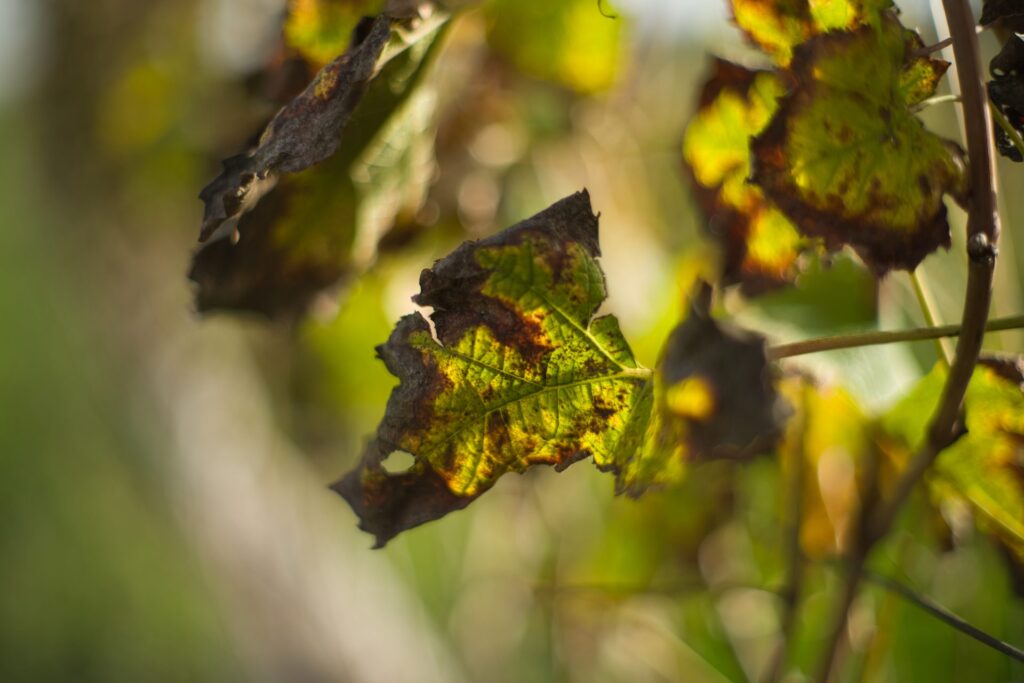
(519, 372)
(760, 246)
(778, 26)
(846, 159)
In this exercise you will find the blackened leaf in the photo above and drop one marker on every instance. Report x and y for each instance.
(520, 372)
(1008, 12)
(778, 26)
(306, 131)
(714, 398)
(760, 246)
(846, 159)
(985, 467)
(1007, 93)
(315, 228)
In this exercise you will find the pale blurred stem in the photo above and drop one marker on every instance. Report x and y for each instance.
(793, 588)
(982, 234)
(927, 304)
(938, 99)
(1008, 128)
(853, 341)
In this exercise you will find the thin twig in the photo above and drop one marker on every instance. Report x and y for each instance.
(853, 341)
(943, 614)
(932, 101)
(982, 235)
(1008, 128)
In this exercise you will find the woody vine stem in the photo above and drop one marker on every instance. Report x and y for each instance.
(982, 235)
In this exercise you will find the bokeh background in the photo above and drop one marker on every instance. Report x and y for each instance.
(164, 512)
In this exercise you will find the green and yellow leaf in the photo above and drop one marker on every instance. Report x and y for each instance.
(571, 42)
(778, 26)
(985, 466)
(760, 246)
(846, 159)
(319, 30)
(518, 372)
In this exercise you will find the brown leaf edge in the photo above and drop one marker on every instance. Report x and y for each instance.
(727, 225)
(306, 131)
(386, 503)
(881, 248)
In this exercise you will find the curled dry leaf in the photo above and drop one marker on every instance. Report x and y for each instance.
(1006, 90)
(846, 159)
(317, 226)
(760, 246)
(521, 373)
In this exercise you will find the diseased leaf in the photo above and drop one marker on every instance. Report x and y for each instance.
(1006, 91)
(778, 26)
(1008, 12)
(521, 373)
(314, 228)
(306, 131)
(715, 398)
(760, 246)
(570, 41)
(845, 158)
(985, 466)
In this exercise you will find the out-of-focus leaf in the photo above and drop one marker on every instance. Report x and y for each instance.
(985, 466)
(1007, 92)
(570, 41)
(317, 226)
(760, 246)
(778, 26)
(846, 159)
(1009, 12)
(306, 131)
(319, 30)
(715, 398)
(520, 373)
(829, 437)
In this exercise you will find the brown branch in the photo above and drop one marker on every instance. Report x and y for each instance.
(982, 235)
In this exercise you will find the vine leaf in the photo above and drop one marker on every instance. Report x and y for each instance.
(715, 397)
(1006, 91)
(778, 26)
(985, 467)
(1010, 13)
(845, 158)
(317, 226)
(521, 373)
(304, 132)
(760, 246)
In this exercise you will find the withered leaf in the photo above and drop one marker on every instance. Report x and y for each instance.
(760, 246)
(316, 227)
(521, 373)
(846, 159)
(715, 397)
(1006, 91)
(306, 131)
(1010, 13)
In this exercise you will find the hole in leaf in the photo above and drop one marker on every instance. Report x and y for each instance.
(398, 462)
